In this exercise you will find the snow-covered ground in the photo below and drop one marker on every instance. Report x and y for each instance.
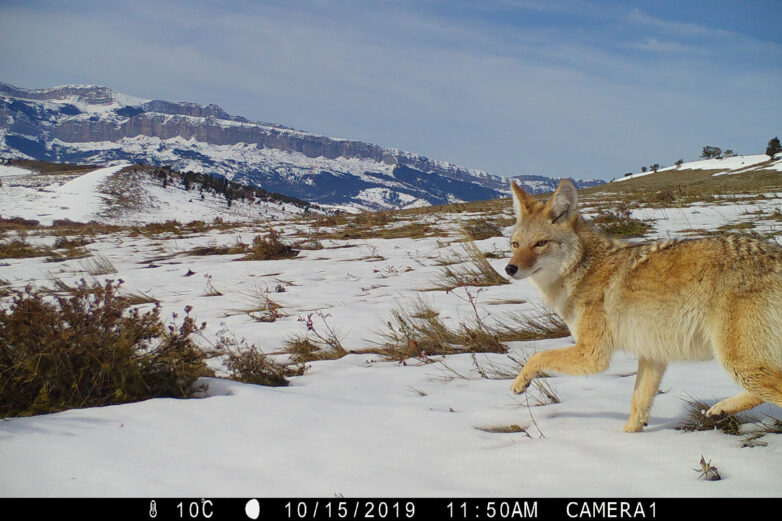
(360, 425)
(48, 198)
(11, 171)
(83, 198)
(727, 165)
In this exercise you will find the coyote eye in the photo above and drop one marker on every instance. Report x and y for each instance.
(514, 244)
(540, 244)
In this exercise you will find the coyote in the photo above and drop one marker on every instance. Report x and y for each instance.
(672, 300)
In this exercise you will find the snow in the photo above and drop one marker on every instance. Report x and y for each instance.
(224, 157)
(77, 199)
(10, 171)
(727, 165)
(384, 197)
(354, 427)
(362, 426)
(48, 198)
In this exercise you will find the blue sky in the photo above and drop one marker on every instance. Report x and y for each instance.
(570, 88)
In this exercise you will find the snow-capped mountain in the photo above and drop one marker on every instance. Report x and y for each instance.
(539, 184)
(96, 125)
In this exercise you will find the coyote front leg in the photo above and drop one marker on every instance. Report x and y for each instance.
(647, 383)
(579, 359)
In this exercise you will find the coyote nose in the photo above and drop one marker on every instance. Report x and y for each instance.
(511, 270)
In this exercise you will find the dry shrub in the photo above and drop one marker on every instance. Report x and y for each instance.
(44, 167)
(376, 218)
(381, 224)
(480, 229)
(269, 247)
(664, 197)
(90, 348)
(17, 224)
(65, 227)
(619, 222)
(214, 249)
(70, 243)
(303, 349)
(249, 365)
(65, 249)
(317, 343)
(19, 248)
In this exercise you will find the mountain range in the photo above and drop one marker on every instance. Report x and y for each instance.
(95, 125)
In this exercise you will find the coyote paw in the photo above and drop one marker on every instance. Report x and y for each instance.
(715, 412)
(519, 386)
(634, 426)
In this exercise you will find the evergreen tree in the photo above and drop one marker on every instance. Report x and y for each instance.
(773, 147)
(710, 152)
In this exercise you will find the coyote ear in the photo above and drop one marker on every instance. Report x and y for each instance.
(564, 203)
(522, 201)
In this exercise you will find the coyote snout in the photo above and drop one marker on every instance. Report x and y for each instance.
(662, 301)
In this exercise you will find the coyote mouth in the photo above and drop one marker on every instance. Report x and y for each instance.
(516, 276)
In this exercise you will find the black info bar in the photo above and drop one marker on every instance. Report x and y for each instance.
(338, 508)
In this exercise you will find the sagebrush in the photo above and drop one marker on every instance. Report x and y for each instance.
(90, 348)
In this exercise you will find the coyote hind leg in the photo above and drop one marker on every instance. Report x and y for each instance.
(762, 384)
(740, 402)
(743, 353)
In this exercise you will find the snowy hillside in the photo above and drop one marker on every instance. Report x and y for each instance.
(722, 166)
(122, 195)
(364, 425)
(95, 125)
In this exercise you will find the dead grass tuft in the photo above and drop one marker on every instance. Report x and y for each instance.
(211, 290)
(98, 266)
(318, 343)
(504, 429)
(19, 248)
(472, 269)
(619, 222)
(542, 323)
(262, 308)
(247, 364)
(213, 249)
(417, 330)
(17, 224)
(269, 247)
(695, 419)
(480, 229)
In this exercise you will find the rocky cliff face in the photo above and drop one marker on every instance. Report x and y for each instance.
(95, 124)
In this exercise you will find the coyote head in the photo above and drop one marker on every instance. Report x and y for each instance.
(544, 239)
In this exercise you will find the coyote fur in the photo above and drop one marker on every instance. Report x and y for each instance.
(664, 301)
